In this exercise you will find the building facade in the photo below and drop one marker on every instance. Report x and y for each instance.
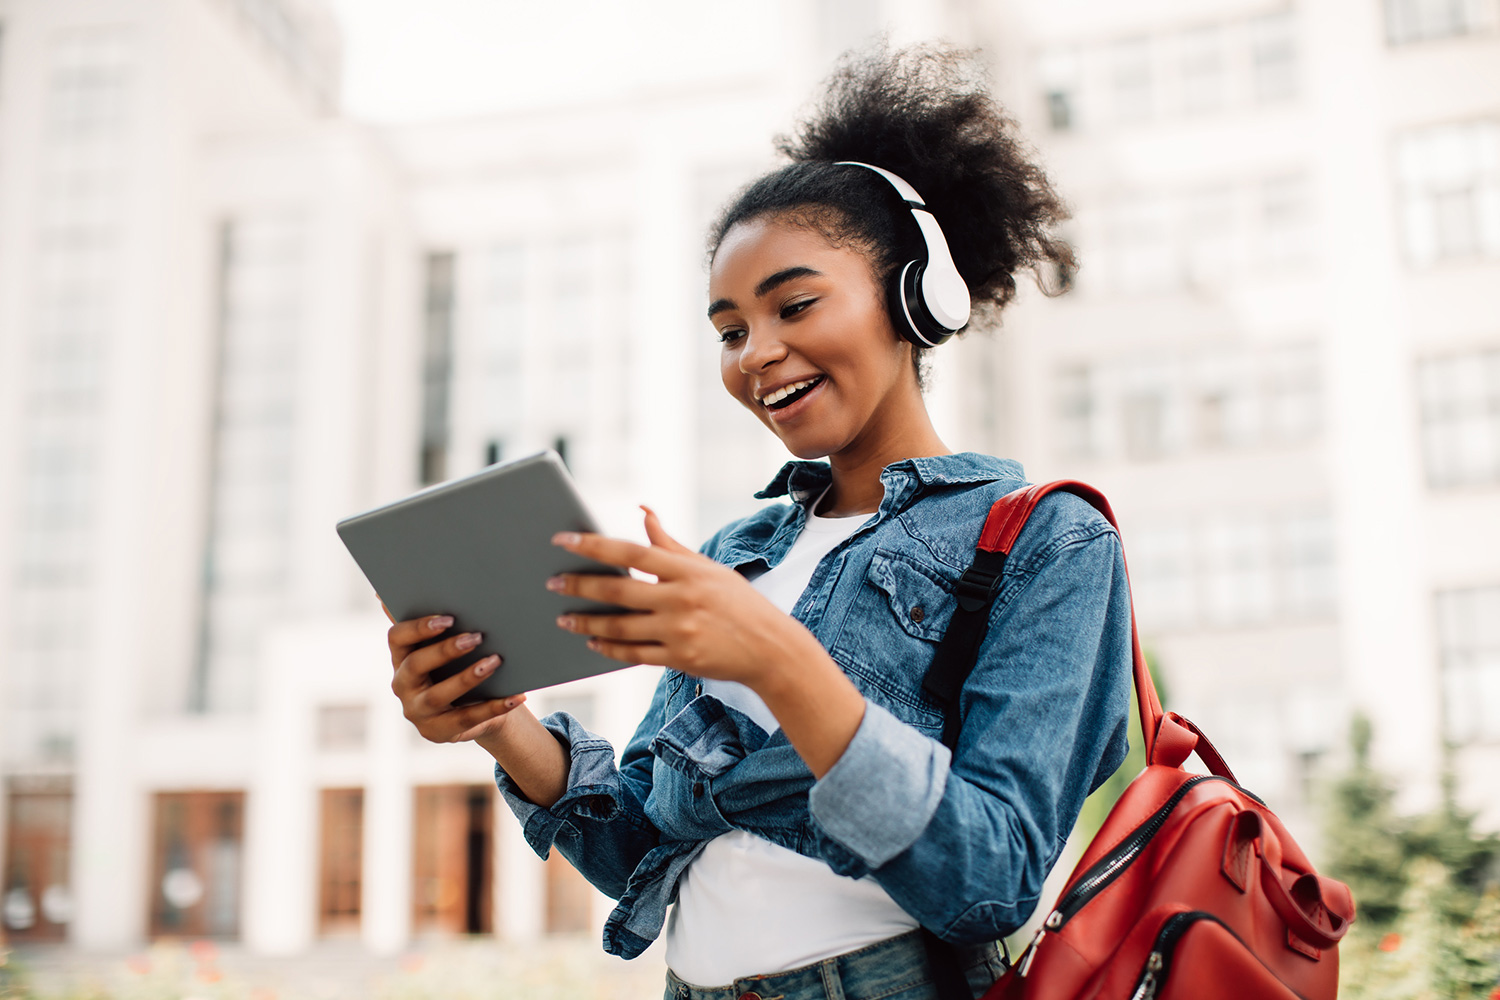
(229, 317)
(1275, 357)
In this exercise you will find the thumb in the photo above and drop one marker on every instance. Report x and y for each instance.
(658, 534)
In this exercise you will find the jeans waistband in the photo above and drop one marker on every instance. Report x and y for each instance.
(895, 966)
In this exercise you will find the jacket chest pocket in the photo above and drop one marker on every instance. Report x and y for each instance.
(891, 633)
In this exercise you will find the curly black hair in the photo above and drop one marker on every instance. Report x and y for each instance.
(926, 114)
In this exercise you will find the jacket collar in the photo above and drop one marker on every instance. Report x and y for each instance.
(801, 480)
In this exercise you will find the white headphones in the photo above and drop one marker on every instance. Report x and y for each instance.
(929, 301)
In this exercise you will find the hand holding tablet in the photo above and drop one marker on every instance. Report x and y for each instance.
(479, 550)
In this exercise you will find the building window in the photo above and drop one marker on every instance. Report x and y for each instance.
(1273, 57)
(1059, 77)
(1245, 569)
(1469, 648)
(502, 332)
(195, 886)
(453, 859)
(1224, 400)
(1130, 76)
(1285, 222)
(1418, 20)
(1202, 66)
(248, 550)
(1449, 180)
(1161, 565)
(1460, 407)
(37, 902)
(437, 366)
(341, 870)
(64, 356)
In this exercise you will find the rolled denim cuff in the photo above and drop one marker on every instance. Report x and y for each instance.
(594, 787)
(881, 794)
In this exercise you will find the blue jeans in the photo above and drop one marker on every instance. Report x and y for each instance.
(894, 969)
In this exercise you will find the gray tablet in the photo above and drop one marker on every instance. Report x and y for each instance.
(480, 549)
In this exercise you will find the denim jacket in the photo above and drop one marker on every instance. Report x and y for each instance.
(962, 842)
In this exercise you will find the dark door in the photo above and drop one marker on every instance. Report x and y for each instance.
(198, 847)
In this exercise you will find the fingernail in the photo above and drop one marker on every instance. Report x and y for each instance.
(566, 538)
(555, 583)
(487, 664)
(593, 644)
(564, 621)
(513, 702)
(468, 640)
(439, 622)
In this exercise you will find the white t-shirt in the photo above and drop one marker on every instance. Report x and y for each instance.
(746, 906)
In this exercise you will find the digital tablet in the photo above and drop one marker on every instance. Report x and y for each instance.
(480, 548)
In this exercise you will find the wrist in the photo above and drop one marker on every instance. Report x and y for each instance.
(500, 742)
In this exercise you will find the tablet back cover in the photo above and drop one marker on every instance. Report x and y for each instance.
(479, 548)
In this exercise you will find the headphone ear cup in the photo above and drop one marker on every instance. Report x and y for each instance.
(895, 301)
(915, 321)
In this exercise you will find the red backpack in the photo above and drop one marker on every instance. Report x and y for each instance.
(1192, 888)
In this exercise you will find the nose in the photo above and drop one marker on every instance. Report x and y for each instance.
(760, 350)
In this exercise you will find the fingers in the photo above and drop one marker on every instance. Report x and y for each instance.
(496, 707)
(618, 552)
(659, 536)
(621, 590)
(412, 671)
(403, 637)
(649, 653)
(458, 724)
(444, 693)
(625, 628)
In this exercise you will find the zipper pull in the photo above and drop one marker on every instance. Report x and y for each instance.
(1030, 955)
(1147, 989)
(1052, 923)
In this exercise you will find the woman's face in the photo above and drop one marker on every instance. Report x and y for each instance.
(808, 345)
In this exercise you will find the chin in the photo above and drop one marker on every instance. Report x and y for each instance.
(809, 449)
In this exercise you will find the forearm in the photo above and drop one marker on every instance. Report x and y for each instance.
(818, 707)
(531, 755)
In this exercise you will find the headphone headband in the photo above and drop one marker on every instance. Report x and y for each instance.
(933, 299)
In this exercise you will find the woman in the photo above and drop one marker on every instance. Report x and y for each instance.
(788, 789)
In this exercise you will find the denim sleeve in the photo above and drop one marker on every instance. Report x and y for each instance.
(599, 824)
(964, 844)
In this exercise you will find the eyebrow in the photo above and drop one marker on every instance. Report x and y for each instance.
(769, 284)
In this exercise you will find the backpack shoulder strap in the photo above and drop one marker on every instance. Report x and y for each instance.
(976, 590)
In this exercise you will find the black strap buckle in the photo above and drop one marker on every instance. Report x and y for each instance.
(977, 587)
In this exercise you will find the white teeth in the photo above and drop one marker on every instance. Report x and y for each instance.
(771, 399)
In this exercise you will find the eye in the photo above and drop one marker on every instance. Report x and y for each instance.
(730, 334)
(793, 308)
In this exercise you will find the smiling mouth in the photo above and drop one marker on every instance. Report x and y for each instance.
(784, 397)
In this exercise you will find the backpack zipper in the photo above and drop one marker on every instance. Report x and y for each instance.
(1159, 962)
(1108, 868)
(1154, 973)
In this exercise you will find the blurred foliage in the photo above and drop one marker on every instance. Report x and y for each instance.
(554, 968)
(1426, 890)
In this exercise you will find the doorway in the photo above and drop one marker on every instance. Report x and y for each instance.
(453, 863)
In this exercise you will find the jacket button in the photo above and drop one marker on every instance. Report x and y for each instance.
(917, 614)
(698, 691)
(697, 789)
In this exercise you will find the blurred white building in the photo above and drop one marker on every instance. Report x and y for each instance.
(228, 318)
(1280, 360)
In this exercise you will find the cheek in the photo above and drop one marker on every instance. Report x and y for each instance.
(734, 380)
